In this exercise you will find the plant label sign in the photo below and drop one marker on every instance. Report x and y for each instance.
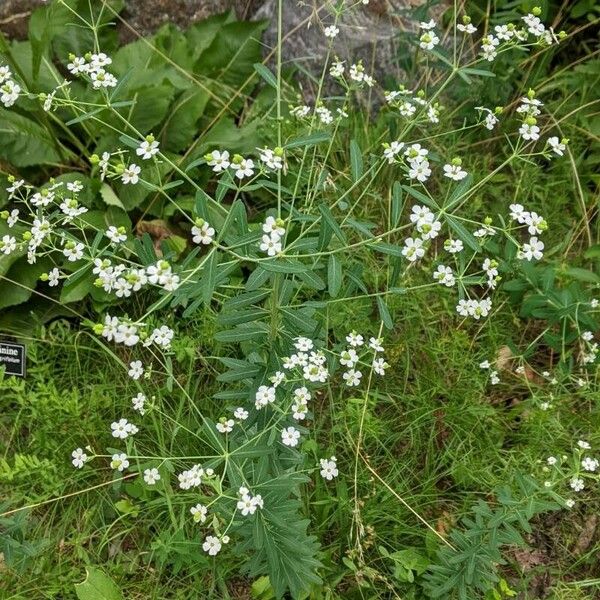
(12, 358)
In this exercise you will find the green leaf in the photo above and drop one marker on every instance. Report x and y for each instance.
(20, 281)
(282, 265)
(266, 74)
(109, 196)
(334, 276)
(97, 586)
(330, 221)
(181, 125)
(309, 140)
(356, 161)
(24, 142)
(384, 313)
(463, 233)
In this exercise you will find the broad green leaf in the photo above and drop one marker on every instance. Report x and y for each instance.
(181, 125)
(24, 142)
(97, 586)
(109, 196)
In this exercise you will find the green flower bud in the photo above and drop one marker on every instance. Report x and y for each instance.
(487, 221)
(98, 328)
(119, 169)
(149, 138)
(72, 57)
(98, 283)
(498, 110)
(11, 178)
(94, 159)
(530, 120)
(278, 151)
(44, 277)
(237, 159)
(466, 19)
(537, 11)
(456, 161)
(199, 222)
(27, 236)
(164, 265)
(531, 94)
(4, 214)
(565, 141)
(562, 34)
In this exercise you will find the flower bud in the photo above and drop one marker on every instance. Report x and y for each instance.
(487, 221)
(537, 11)
(119, 169)
(27, 236)
(98, 328)
(4, 214)
(94, 159)
(456, 161)
(149, 138)
(466, 19)
(44, 277)
(531, 121)
(531, 94)
(98, 282)
(199, 222)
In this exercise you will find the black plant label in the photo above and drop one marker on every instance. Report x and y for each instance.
(12, 358)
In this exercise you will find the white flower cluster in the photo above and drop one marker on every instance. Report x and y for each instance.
(93, 67)
(427, 225)
(192, 478)
(406, 103)
(351, 359)
(577, 470)
(273, 232)
(248, 504)
(324, 114)
(428, 40)
(123, 331)
(509, 35)
(9, 88)
(536, 225)
(270, 160)
(590, 348)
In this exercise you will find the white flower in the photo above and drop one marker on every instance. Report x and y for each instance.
(503, 32)
(300, 111)
(302, 395)
(557, 146)
(131, 174)
(147, 149)
(352, 377)
(428, 25)
(419, 171)
(379, 366)
(518, 213)
(290, 436)
(494, 379)
(331, 31)
(225, 426)
(162, 336)
(413, 249)
(303, 344)
(116, 236)
(468, 28)
(428, 41)
(136, 369)
(337, 69)
(119, 462)
(240, 413)
(273, 227)
(576, 484)
(392, 150)
(151, 476)
(570, 503)
(453, 246)
(348, 358)
(355, 339)
(122, 429)
(329, 468)
(271, 245)
(406, 109)
(219, 161)
(535, 222)
(138, 403)
(375, 344)
(532, 249)
(273, 159)
(454, 172)
(79, 458)
(8, 244)
(551, 460)
(73, 251)
(529, 132)
(484, 365)
(264, 395)
(244, 167)
(203, 233)
(583, 445)
(589, 464)
(444, 276)
(13, 218)
(212, 545)
(9, 93)
(53, 277)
